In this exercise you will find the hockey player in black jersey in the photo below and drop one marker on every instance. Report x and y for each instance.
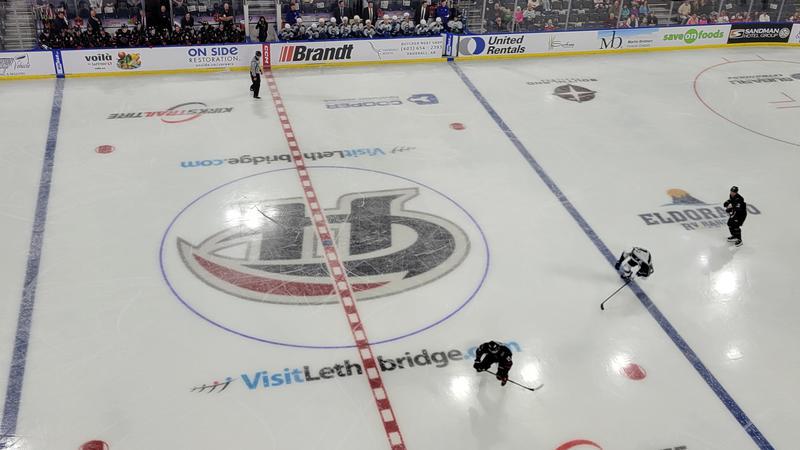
(491, 352)
(737, 210)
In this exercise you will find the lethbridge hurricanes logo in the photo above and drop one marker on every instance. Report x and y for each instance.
(385, 247)
(691, 213)
(246, 256)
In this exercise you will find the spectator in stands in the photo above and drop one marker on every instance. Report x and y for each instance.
(723, 17)
(497, 26)
(549, 26)
(519, 17)
(95, 24)
(261, 28)
(226, 17)
(684, 11)
(763, 17)
(60, 23)
(611, 21)
(624, 13)
(371, 13)
(692, 20)
(652, 19)
(187, 21)
(293, 14)
(644, 9)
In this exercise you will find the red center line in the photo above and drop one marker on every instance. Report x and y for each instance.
(341, 282)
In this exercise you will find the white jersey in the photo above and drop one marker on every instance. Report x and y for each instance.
(638, 261)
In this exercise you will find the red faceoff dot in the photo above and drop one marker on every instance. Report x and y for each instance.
(634, 372)
(104, 149)
(457, 126)
(94, 445)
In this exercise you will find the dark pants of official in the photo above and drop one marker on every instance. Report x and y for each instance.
(735, 227)
(256, 86)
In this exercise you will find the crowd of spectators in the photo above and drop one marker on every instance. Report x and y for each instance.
(701, 12)
(428, 20)
(550, 15)
(58, 32)
(547, 15)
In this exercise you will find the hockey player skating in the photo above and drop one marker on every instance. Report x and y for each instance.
(737, 210)
(638, 260)
(491, 352)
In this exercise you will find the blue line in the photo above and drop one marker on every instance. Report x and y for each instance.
(698, 365)
(16, 374)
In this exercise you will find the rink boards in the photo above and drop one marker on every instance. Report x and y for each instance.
(237, 57)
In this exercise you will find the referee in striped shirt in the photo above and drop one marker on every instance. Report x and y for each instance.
(255, 74)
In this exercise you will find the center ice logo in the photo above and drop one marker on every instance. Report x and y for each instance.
(385, 248)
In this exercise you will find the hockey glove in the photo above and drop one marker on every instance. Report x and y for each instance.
(477, 366)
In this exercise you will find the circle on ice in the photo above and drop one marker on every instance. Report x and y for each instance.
(755, 95)
(245, 256)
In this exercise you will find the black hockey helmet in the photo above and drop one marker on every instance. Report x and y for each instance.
(493, 346)
(735, 189)
(258, 53)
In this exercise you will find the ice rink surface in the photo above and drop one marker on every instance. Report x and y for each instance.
(171, 291)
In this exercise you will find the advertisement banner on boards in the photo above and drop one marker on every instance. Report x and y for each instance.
(355, 51)
(662, 37)
(26, 64)
(132, 60)
(742, 33)
(589, 41)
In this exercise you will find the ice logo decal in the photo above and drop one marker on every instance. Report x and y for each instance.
(423, 99)
(471, 45)
(690, 212)
(574, 93)
(385, 247)
(681, 197)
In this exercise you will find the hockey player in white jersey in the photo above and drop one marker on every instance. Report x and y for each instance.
(637, 261)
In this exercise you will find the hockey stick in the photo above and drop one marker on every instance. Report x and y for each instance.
(520, 385)
(602, 308)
